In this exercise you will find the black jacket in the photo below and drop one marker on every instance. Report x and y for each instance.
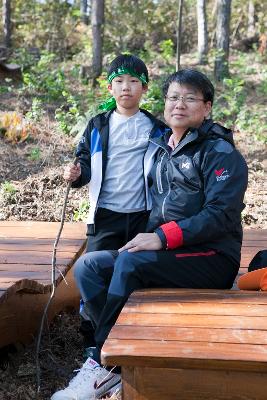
(200, 185)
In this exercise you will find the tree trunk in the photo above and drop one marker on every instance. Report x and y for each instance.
(84, 11)
(222, 39)
(97, 32)
(251, 19)
(7, 22)
(202, 31)
(179, 34)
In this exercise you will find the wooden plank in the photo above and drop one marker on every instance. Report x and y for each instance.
(161, 384)
(255, 234)
(196, 308)
(198, 296)
(36, 246)
(34, 258)
(210, 321)
(181, 353)
(173, 333)
(29, 267)
(9, 276)
(39, 230)
(21, 312)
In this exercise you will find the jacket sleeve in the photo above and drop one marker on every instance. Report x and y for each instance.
(83, 152)
(225, 177)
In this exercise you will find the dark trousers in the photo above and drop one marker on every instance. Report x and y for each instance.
(113, 230)
(106, 279)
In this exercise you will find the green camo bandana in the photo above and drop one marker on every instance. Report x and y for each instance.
(109, 104)
(128, 71)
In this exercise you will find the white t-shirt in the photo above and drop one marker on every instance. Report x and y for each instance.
(123, 189)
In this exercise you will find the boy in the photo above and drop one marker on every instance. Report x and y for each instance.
(115, 157)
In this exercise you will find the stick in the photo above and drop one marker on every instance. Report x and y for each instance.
(53, 283)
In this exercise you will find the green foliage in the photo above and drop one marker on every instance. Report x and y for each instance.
(167, 49)
(67, 114)
(25, 59)
(36, 112)
(81, 213)
(35, 154)
(45, 24)
(153, 101)
(253, 122)
(229, 101)
(46, 80)
(3, 89)
(8, 191)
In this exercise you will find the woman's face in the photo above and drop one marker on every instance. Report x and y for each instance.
(185, 108)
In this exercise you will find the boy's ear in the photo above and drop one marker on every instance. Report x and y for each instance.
(145, 88)
(109, 88)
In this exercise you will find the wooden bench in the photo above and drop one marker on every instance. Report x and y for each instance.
(25, 275)
(193, 344)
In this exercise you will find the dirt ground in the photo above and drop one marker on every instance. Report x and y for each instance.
(37, 193)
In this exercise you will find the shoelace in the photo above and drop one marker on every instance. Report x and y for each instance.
(105, 377)
(83, 374)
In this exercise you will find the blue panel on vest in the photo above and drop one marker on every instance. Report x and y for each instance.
(159, 132)
(96, 145)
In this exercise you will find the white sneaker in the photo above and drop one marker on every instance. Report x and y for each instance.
(83, 385)
(108, 386)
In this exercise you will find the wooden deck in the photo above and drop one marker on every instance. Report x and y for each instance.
(25, 274)
(193, 344)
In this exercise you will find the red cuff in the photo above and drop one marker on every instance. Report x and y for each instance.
(174, 234)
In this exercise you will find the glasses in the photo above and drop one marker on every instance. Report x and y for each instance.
(185, 100)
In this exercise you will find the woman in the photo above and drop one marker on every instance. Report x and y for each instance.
(194, 232)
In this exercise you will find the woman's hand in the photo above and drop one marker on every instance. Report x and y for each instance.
(143, 241)
(72, 172)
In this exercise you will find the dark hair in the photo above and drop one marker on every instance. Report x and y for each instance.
(193, 78)
(128, 61)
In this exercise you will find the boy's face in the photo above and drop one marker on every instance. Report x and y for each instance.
(127, 91)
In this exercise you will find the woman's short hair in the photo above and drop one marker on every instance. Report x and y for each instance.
(192, 78)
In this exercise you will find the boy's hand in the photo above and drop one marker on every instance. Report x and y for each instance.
(143, 241)
(72, 172)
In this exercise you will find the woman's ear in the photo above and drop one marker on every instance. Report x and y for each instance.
(208, 108)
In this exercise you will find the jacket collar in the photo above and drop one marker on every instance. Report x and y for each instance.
(102, 120)
(208, 129)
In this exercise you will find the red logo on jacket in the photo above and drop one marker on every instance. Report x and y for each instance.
(218, 172)
(221, 174)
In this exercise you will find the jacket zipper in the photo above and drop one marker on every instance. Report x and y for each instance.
(158, 175)
(164, 200)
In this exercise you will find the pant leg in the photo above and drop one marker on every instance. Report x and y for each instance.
(92, 273)
(107, 233)
(181, 268)
(136, 223)
(113, 230)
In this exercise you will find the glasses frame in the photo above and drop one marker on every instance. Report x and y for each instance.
(184, 99)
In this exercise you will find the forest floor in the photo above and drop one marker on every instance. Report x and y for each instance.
(32, 189)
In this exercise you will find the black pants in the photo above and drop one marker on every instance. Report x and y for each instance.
(106, 279)
(113, 230)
